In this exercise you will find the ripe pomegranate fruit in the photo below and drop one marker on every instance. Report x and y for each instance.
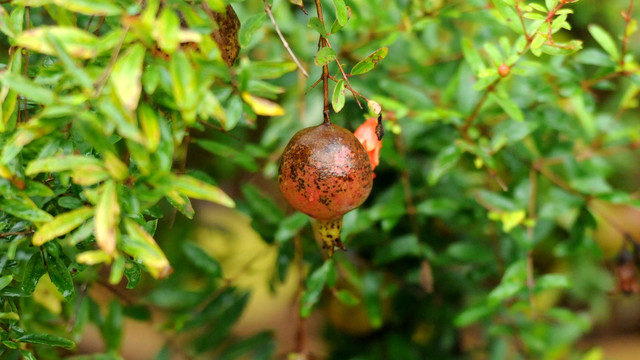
(325, 172)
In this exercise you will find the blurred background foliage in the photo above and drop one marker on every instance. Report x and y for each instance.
(503, 222)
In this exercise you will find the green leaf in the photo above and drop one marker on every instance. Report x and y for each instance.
(111, 328)
(270, 69)
(33, 271)
(201, 259)
(28, 88)
(61, 163)
(445, 161)
(338, 99)
(508, 105)
(90, 7)
(239, 157)
(78, 43)
(150, 123)
(290, 226)
(181, 203)
(78, 73)
(315, 284)
(371, 61)
(166, 31)
(551, 4)
(183, 80)
(325, 56)
(371, 283)
(605, 40)
(471, 56)
(473, 315)
(342, 14)
(46, 339)
(124, 120)
(5, 280)
(552, 281)
(126, 76)
(61, 225)
(143, 247)
(24, 209)
(107, 218)
(347, 298)
(315, 24)
(60, 276)
(249, 27)
(132, 273)
(198, 189)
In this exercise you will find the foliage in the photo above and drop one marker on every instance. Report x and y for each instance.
(508, 125)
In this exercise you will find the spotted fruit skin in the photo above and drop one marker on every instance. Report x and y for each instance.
(325, 172)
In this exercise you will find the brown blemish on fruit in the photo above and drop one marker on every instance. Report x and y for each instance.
(325, 172)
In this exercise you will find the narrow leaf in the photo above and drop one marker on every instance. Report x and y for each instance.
(508, 105)
(201, 259)
(90, 7)
(61, 224)
(78, 43)
(142, 246)
(126, 76)
(367, 64)
(24, 210)
(107, 218)
(28, 88)
(46, 339)
(262, 106)
(198, 189)
(605, 40)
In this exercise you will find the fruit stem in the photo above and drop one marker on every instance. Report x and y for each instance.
(328, 231)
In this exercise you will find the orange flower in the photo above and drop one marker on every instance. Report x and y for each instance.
(366, 133)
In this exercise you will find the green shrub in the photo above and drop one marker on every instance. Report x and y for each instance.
(511, 135)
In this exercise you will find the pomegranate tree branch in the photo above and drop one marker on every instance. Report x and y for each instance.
(267, 9)
(322, 42)
(625, 35)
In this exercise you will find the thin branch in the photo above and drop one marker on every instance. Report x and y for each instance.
(625, 36)
(411, 211)
(533, 194)
(347, 84)
(25, 232)
(323, 42)
(524, 27)
(102, 81)
(267, 9)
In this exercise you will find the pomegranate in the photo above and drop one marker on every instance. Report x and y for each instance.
(325, 172)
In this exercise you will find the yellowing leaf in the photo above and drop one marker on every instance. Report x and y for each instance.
(262, 106)
(142, 246)
(78, 43)
(107, 218)
(126, 76)
(61, 224)
(198, 189)
(47, 295)
(93, 257)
